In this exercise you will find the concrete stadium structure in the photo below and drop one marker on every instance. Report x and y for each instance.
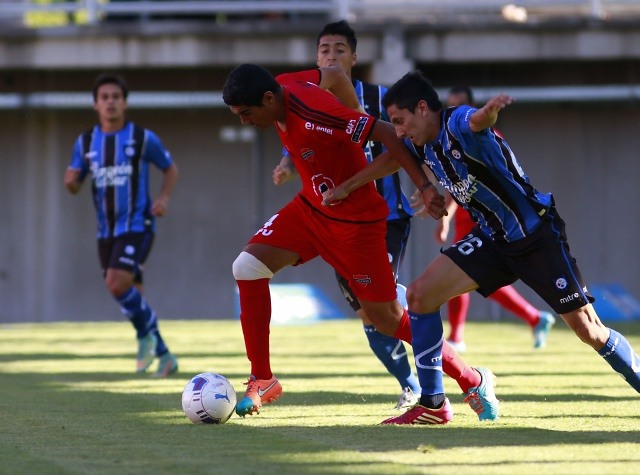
(576, 130)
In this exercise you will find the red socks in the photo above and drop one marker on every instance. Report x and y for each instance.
(255, 317)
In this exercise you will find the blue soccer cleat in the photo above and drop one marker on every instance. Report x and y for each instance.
(482, 399)
(541, 330)
(146, 352)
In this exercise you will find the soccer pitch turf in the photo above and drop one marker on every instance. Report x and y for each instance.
(71, 404)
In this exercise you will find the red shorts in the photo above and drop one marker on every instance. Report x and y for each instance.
(357, 251)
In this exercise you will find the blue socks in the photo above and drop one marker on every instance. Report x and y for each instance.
(142, 317)
(618, 353)
(427, 336)
(393, 355)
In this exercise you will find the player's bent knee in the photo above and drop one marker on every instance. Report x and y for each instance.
(248, 267)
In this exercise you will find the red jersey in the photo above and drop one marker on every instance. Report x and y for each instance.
(325, 140)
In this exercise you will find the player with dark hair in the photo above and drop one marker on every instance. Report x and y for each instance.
(508, 297)
(117, 153)
(336, 45)
(519, 234)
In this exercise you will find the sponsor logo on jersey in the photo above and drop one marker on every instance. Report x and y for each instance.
(463, 190)
(362, 279)
(321, 184)
(319, 128)
(116, 175)
(357, 133)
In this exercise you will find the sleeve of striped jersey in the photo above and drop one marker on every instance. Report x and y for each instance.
(156, 153)
(77, 162)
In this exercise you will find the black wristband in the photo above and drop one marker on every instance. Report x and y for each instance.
(425, 186)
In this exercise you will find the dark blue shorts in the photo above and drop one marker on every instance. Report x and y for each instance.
(127, 252)
(541, 260)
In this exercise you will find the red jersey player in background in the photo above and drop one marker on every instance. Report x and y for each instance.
(324, 138)
(540, 321)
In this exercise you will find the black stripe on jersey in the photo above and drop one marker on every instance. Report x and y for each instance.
(308, 114)
(139, 138)
(109, 152)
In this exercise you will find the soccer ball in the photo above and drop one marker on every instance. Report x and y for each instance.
(208, 398)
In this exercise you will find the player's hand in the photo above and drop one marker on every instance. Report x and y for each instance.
(281, 175)
(499, 102)
(417, 205)
(334, 196)
(160, 206)
(434, 203)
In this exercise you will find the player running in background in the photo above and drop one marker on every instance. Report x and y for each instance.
(540, 321)
(519, 234)
(336, 45)
(117, 153)
(325, 137)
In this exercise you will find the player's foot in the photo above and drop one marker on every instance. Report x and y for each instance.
(459, 346)
(422, 415)
(407, 399)
(541, 330)
(167, 365)
(146, 352)
(482, 399)
(259, 392)
(401, 292)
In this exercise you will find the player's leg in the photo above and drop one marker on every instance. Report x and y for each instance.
(389, 350)
(457, 309)
(540, 321)
(611, 345)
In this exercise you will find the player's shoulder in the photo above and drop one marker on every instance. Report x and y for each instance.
(308, 76)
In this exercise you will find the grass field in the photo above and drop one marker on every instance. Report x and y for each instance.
(69, 404)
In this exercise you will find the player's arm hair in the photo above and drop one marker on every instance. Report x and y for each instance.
(72, 180)
(335, 80)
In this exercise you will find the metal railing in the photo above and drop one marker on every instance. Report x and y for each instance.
(412, 11)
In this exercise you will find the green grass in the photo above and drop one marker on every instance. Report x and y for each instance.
(69, 404)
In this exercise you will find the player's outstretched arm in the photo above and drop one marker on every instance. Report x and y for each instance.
(487, 115)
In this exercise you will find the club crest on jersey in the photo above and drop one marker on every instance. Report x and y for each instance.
(456, 154)
(362, 279)
(307, 154)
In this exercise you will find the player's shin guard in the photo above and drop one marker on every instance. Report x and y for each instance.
(427, 331)
(135, 307)
(618, 353)
(393, 355)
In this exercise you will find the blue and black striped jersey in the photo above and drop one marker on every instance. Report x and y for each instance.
(119, 166)
(483, 175)
(370, 97)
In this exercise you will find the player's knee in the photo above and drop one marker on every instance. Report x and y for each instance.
(248, 267)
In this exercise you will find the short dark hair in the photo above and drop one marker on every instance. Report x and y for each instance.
(247, 84)
(341, 28)
(412, 88)
(110, 78)
(463, 89)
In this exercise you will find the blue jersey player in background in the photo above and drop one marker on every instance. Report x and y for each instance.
(336, 45)
(518, 235)
(117, 155)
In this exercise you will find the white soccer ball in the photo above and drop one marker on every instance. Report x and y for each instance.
(208, 398)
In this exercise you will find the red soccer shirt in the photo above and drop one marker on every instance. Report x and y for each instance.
(325, 140)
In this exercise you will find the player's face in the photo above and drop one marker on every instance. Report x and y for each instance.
(110, 103)
(413, 125)
(253, 115)
(334, 50)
